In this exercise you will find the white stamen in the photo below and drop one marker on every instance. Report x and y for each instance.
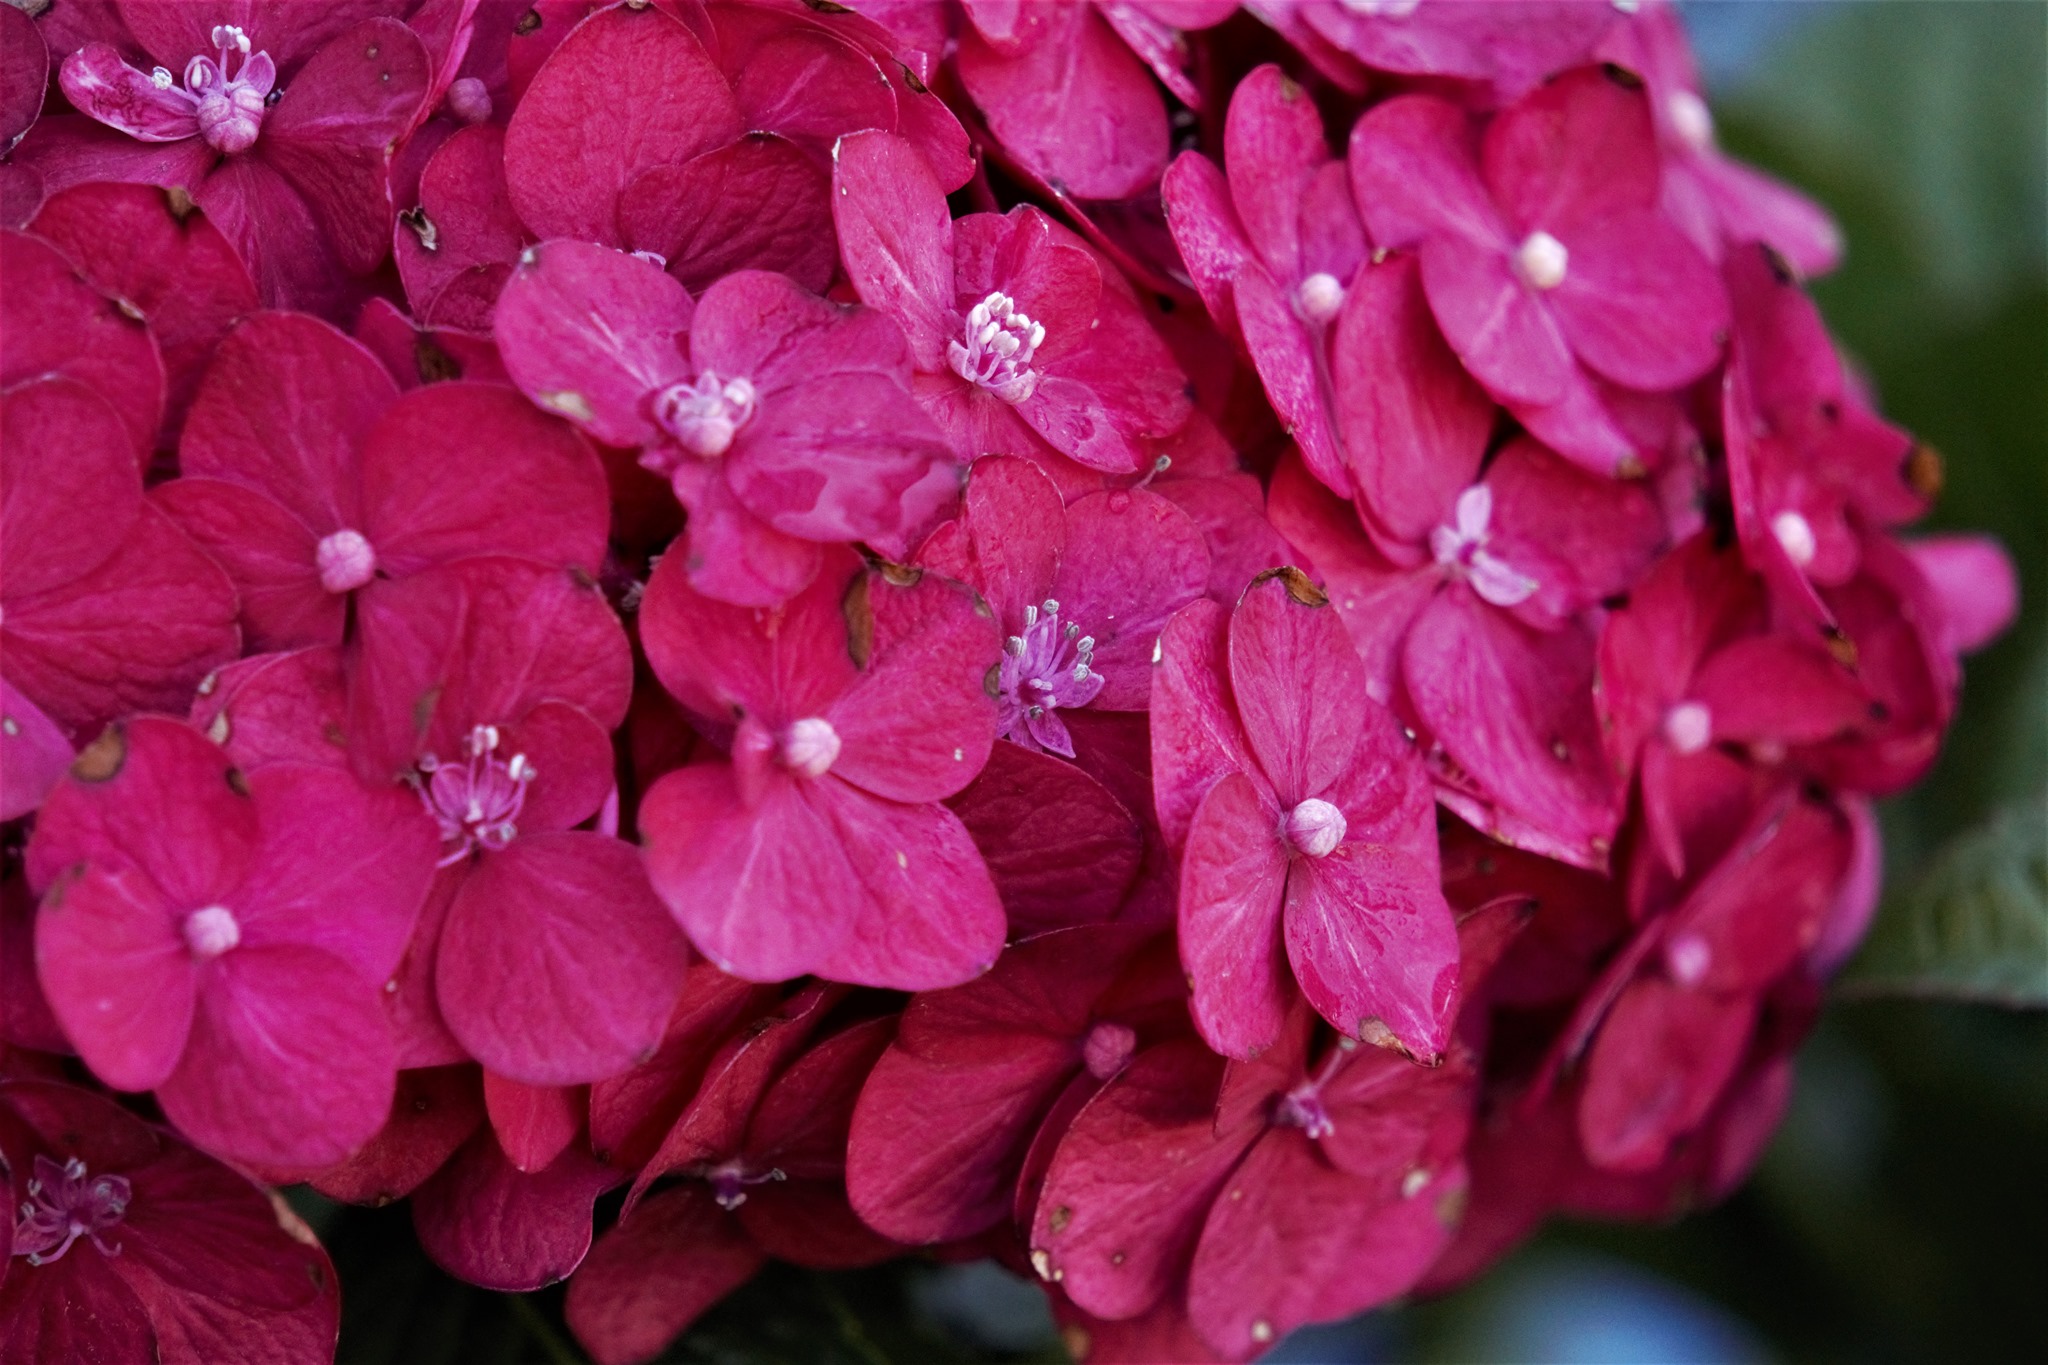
(997, 348)
(1795, 533)
(1542, 259)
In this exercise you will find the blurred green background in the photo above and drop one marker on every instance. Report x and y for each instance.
(1902, 1213)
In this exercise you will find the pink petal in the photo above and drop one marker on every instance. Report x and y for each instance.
(1133, 1180)
(1662, 1059)
(803, 81)
(1273, 144)
(1077, 109)
(591, 333)
(290, 1062)
(1777, 687)
(1414, 425)
(1371, 940)
(1196, 738)
(1582, 538)
(1206, 231)
(534, 1124)
(1132, 559)
(269, 553)
(1579, 150)
(470, 469)
(53, 322)
(1510, 707)
(1753, 207)
(1765, 904)
(896, 237)
(1011, 535)
(1299, 687)
(485, 1221)
(1972, 578)
(1639, 304)
(557, 965)
(104, 937)
(918, 723)
(104, 88)
(1061, 849)
(25, 63)
(755, 204)
(332, 132)
(285, 409)
(1290, 362)
(1293, 1241)
(36, 751)
(627, 91)
(432, 1114)
(926, 915)
(1510, 340)
(1415, 172)
(654, 1274)
(68, 485)
(1234, 875)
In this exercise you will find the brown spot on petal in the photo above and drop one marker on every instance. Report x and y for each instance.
(1842, 647)
(528, 22)
(1298, 584)
(101, 760)
(422, 227)
(1925, 471)
(1061, 1216)
(827, 7)
(179, 202)
(860, 621)
(432, 360)
(1780, 267)
(1621, 76)
(237, 783)
(1077, 1341)
(1450, 1209)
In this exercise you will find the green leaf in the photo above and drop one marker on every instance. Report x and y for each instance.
(1975, 928)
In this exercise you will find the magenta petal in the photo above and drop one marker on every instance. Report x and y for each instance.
(1015, 532)
(926, 914)
(1077, 109)
(1290, 364)
(1415, 172)
(557, 965)
(755, 204)
(1510, 340)
(270, 555)
(1577, 150)
(1206, 232)
(1511, 707)
(896, 237)
(332, 133)
(35, 750)
(1414, 425)
(290, 1062)
(1639, 304)
(1061, 849)
(489, 1223)
(53, 322)
(1372, 942)
(68, 484)
(109, 937)
(652, 1276)
(1294, 1241)
(628, 91)
(534, 1124)
(1581, 537)
(25, 66)
(434, 1111)
(103, 87)
(1663, 1057)
(1196, 737)
(1132, 559)
(1133, 1180)
(591, 333)
(1299, 687)
(1233, 878)
(469, 469)
(918, 724)
(1273, 144)
(1973, 579)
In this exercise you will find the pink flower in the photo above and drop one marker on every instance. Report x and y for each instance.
(979, 1075)
(222, 940)
(1066, 85)
(1080, 591)
(299, 181)
(820, 847)
(1544, 254)
(129, 1243)
(1485, 640)
(782, 421)
(1718, 201)
(1286, 1193)
(316, 484)
(1306, 830)
(105, 606)
(1020, 336)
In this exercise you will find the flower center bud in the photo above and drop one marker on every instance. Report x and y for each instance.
(469, 101)
(1460, 547)
(1541, 260)
(230, 102)
(1795, 533)
(1315, 827)
(1320, 296)
(346, 561)
(996, 350)
(1689, 957)
(705, 414)
(1108, 1048)
(1302, 1107)
(810, 747)
(476, 802)
(66, 1203)
(211, 932)
(1050, 665)
(1690, 119)
(1689, 727)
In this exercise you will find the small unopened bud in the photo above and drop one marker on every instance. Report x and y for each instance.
(469, 101)
(1108, 1049)
(1315, 827)
(211, 931)
(1320, 296)
(1689, 727)
(1795, 533)
(346, 561)
(1689, 957)
(810, 747)
(1542, 259)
